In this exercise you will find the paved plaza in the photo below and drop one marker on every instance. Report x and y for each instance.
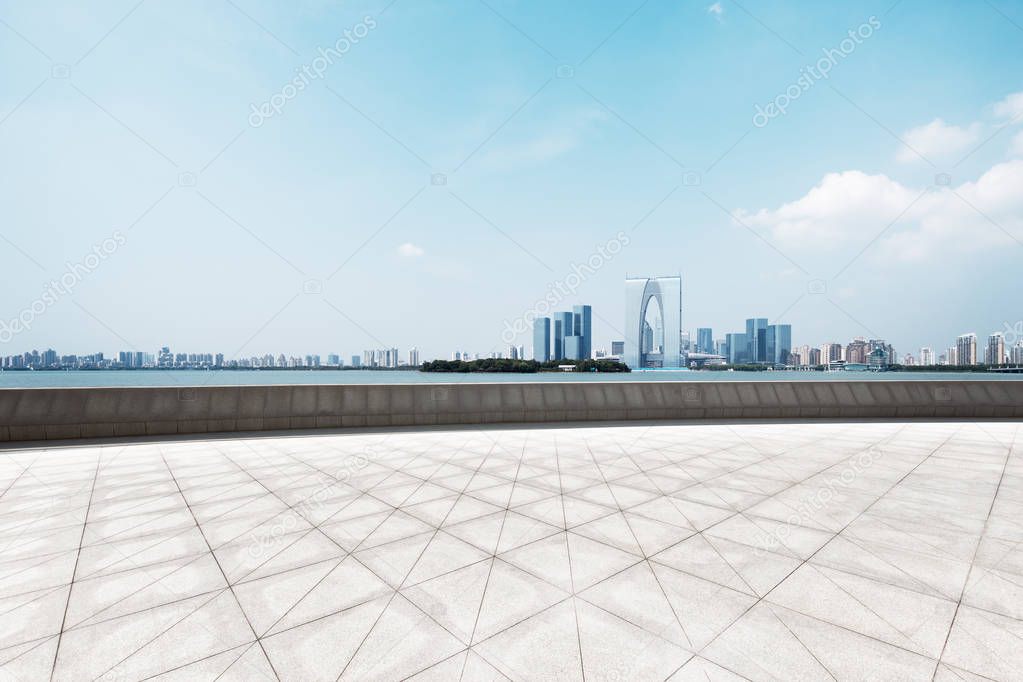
(810, 551)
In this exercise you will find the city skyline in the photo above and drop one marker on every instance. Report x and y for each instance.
(168, 212)
(965, 349)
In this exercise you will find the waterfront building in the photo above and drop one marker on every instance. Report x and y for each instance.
(574, 348)
(704, 340)
(878, 357)
(857, 350)
(618, 348)
(830, 352)
(582, 320)
(1016, 354)
(995, 353)
(756, 339)
(966, 350)
(926, 356)
(413, 357)
(564, 325)
(778, 344)
(735, 348)
(542, 339)
(666, 295)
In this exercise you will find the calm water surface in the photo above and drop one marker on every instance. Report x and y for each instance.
(241, 378)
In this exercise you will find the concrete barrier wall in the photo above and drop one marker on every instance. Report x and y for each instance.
(57, 413)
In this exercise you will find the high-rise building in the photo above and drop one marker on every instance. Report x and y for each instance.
(704, 340)
(778, 344)
(926, 356)
(564, 325)
(736, 348)
(966, 350)
(857, 351)
(804, 356)
(995, 353)
(582, 320)
(644, 295)
(413, 357)
(756, 339)
(542, 339)
(356, 361)
(574, 348)
(617, 348)
(830, 352)
(1016, 354)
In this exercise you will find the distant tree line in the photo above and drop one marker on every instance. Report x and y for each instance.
(521, 366)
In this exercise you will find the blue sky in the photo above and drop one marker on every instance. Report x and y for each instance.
(460, 157)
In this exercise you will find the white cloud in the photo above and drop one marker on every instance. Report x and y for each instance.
(410, 250)
(1011, 107)
(938, 140)
(833, 213)
(716, 10)
(847, 209)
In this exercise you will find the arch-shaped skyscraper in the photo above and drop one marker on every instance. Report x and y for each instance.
(639, 291)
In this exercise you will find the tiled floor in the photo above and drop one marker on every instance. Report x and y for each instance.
(720, 552)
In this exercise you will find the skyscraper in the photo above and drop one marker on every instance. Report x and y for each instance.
(665, 293)
(704, 340)
(756, 339)
(574, 348)
(735, 345)
(857, 351)
(562, 330)
(583, 327)
(778, 344)
(926, 356)
(1016, 354)
(995, 354)
(830, 352)
(966, 350)
(542, 339)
